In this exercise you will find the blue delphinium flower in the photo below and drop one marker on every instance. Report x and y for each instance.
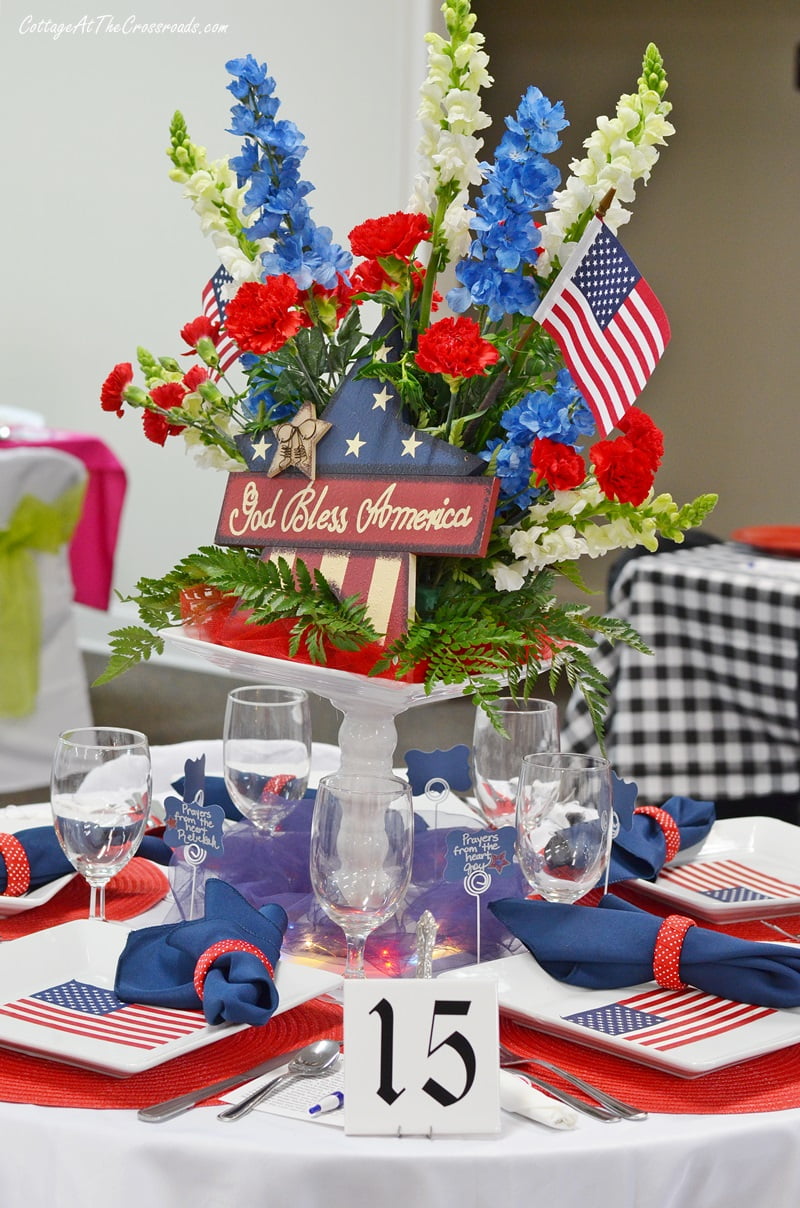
(559, 413)
(260, 403)
(269, 164)
(513, 469)
(519, 183)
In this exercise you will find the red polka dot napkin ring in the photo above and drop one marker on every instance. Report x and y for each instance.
(18, 870)
(207, 958)
(667, 952)
(672, 835)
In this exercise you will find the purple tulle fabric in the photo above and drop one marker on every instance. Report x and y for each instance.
(275, 869)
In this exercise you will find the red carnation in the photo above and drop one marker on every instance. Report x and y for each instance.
(261, 318)
(394, 235)
(157, 428)
(202, 326)
(368, 277)
(559, 465)
(191, 380)
(156, 425)
(455, 348)
(644, 434)
(113, 388)
(328, 305)
(624, 472)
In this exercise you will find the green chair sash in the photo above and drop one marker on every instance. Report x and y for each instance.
(35, 527)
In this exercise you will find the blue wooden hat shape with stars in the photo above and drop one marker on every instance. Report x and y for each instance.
(368, 435)
(358, 492)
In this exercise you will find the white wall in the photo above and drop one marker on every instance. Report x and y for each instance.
(100, 251)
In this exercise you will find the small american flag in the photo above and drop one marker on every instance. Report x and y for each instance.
(608, 323)
(86, 1010)
(214, 307)
(669, 1019)
(728, 881)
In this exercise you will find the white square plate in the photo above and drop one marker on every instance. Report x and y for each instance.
(745, 868)
(19, 817)
(680, 1032)
(86, 951)
(36, 897)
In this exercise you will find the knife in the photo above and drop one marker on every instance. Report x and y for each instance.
(171, 1108)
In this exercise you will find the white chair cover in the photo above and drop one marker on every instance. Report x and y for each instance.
(27, 743)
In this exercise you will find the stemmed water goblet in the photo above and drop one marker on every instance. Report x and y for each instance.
(564, 823)
(528, 726)
(266, 751)
(100, 791)
(362, 840)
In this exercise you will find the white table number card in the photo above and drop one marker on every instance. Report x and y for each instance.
(421, 1057)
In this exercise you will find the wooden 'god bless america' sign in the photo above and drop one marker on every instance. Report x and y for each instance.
(357, 495)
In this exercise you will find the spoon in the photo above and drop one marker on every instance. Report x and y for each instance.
(310, 1062)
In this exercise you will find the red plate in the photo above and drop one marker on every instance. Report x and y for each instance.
(778, 538)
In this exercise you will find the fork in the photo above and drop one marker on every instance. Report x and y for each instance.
(781, 930)
(625, 1110)
(597, 1111)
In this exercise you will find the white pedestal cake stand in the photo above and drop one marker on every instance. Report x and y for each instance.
(369, 704)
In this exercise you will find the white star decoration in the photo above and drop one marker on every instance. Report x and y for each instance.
(355, 445)
(382, 353)
(260, 447)
(410, 446)
(381, 399)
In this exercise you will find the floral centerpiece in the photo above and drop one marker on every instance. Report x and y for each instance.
(283, 336)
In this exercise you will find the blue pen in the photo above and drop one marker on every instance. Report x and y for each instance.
(329, 1104)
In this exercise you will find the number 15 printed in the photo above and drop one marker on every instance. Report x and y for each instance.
(421, 1057)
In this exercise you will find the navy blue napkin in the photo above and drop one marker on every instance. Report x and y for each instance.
(612, 945)
(641, 851)
(157, 964)
(45, 856)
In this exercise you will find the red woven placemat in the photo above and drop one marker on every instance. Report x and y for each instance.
(763, 1084)
(50, 1084)
(132, 891)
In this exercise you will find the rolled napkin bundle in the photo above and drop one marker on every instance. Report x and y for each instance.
(518, 1096)
(30, 859)
(616, 944)
(657, 835)
(224, 962)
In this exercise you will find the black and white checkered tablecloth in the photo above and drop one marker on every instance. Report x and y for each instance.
(713, 713)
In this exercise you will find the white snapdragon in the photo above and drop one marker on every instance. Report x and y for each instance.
(619, 533)
(209, 188)
(240, 267)
(539, 546)
(208, 456)
(509, 578)
(450, 113)
(620, 152)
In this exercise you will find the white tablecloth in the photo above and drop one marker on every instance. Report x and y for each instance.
(57, 1158)
(70, 1158)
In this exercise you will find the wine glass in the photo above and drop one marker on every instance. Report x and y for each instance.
(564, 823)
(267, 751)
(100, 798)
(362, 840)
(530, 726)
